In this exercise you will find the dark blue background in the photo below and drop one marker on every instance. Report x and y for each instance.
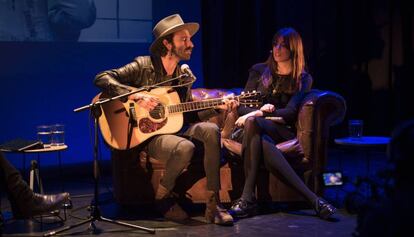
(43, 82)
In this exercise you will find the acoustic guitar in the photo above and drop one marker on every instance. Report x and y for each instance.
(125, 125)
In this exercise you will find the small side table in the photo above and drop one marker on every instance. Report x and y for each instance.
(366, 143)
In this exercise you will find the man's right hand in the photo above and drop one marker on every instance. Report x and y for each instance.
(145, 101)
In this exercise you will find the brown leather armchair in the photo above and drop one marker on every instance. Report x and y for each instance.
(307, 153)
(136, 175)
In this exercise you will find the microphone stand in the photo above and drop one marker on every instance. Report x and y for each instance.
(95, 214)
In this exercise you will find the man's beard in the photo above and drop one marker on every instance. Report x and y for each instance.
(181, 53)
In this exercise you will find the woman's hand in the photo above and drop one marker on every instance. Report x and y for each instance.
(147, 102)
(269, 108)
(242, 119)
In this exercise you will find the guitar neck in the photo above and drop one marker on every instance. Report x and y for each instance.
(195, 105)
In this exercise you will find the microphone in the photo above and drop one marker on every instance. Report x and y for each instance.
(185, 68)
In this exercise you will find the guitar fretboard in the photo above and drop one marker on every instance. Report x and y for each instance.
(195, 105)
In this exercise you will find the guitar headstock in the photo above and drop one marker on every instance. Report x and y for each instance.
(249, 94)
(250, 103)
(250, 99)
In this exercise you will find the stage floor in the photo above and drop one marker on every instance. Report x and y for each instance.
(274, 219)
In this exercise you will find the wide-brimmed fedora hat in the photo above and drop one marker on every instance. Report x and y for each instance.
(169, 25)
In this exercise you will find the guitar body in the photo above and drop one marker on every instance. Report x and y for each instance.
(126, 125)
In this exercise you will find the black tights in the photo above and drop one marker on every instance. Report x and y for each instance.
(259, 140)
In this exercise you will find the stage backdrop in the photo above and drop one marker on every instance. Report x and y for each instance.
(44, 79)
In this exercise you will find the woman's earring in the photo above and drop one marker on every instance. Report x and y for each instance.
(271, 51)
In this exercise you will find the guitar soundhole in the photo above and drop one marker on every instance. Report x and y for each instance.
(158, 112)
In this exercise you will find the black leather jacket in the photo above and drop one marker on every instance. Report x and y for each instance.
(144, 71)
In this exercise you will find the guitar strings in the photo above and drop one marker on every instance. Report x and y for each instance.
(160, 108)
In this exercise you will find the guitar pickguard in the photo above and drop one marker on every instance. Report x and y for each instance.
(145, 125)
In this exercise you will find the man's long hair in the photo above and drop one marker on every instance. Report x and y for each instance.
(159, 48)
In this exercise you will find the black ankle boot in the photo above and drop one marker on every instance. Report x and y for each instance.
(243, 208)
(40, 204)
(323, 209)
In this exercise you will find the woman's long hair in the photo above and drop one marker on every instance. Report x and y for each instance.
(294, 43)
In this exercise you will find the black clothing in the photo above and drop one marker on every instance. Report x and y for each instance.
(261, 135)
(277, 92)
(16, 188)
(259, 140)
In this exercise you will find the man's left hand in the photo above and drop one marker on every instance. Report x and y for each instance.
(229, 105)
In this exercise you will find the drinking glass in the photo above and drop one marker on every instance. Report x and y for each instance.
(44, 134)
(355, 127)
(58, 135)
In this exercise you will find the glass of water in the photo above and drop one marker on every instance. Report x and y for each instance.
(58, 135)
(44, 134)
(355, 127)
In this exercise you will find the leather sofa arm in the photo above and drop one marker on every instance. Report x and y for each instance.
(319, 111)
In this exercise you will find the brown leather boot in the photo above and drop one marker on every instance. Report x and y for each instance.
(214, 212)
(167, 205)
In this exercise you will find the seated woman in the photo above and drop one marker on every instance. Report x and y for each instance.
(283, 82)
(24, 202)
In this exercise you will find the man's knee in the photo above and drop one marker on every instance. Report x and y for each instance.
(207, 130)
(184, 151)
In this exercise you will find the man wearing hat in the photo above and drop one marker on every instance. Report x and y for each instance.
(171, 45)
